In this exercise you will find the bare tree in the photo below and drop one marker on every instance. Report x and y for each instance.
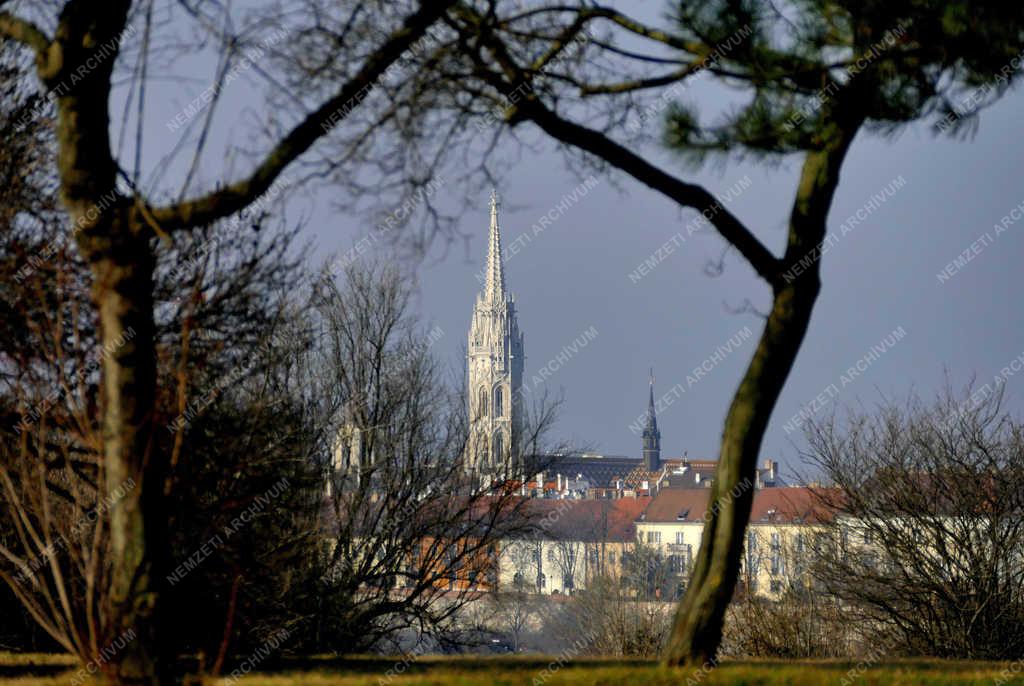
(516, 609)
(55, 504)
(929, 550)
(414, 535)
(568, 559)
(647, 573)
(800, 619)
(55, 546)
(526, 561)
(610, 618)
(75, 51)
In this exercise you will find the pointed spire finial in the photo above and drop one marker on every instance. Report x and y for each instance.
(495, 276)
(652, 415)
(652, 437)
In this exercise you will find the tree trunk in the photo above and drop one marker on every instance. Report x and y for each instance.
(116, 245)
(697, 628)
(123, 294)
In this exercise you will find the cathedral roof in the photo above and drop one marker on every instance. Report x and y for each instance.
(601, 471)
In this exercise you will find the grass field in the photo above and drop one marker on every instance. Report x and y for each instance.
(51, 670)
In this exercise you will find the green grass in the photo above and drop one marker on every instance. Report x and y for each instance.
(44, 670)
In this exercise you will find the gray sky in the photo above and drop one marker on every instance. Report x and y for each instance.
(878, 276)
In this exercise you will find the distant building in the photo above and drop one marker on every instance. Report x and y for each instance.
(783, 524)
(494, 361)
(572, 542)
(593, 475)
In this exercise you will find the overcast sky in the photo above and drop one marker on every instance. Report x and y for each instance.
(881, 275)
(934, 198)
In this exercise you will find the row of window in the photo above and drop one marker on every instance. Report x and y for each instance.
(594, 555)
(655, 537)
(775, 561)
(542, 581)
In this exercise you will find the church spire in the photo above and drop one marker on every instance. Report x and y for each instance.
(652, 417)
(652, 437)
(495, 292)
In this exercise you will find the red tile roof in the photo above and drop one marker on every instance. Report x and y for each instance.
(677, 505)
(603, 519)
(794, 504)
(779, 505)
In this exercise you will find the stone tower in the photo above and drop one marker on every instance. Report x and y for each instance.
(652, 437)
(495, 369)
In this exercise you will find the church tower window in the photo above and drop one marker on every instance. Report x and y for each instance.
(499, 449)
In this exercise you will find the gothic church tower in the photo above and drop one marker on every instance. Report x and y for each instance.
(495, 369)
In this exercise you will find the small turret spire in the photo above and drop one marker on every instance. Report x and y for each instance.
(652, 416)
(495, 292)
(652, 437)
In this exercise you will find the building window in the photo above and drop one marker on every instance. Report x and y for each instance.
(481, 403)
(752, 563)
(680, 538)
(775, 585)
(499, 406)
(611, 557)
(654, 537)
(551, 554)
